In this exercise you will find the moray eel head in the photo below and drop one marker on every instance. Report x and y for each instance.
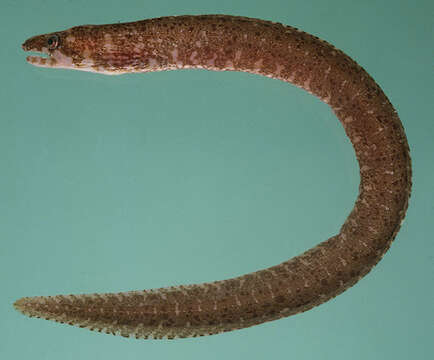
(54, 49)
(79, 48)
(101, 49)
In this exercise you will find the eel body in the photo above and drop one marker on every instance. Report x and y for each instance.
(220, 42)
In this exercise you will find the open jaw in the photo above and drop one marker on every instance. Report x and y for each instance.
(51, 59)
(45, 58)
(48, 58)
(58, 60)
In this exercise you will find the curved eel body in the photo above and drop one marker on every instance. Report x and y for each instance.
(220, 42)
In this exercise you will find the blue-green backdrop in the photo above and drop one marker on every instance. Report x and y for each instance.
(141, 181)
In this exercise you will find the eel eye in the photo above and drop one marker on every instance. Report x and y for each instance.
(53, 42)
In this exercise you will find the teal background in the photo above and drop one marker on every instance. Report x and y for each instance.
(142, 181)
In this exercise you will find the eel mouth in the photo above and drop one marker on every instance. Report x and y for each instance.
(43, 58)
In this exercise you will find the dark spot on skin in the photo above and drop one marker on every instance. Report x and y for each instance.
(354, 273)
(280, 299)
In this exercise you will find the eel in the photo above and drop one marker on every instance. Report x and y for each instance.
(233, 43)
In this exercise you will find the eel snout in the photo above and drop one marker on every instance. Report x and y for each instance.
(38, 44)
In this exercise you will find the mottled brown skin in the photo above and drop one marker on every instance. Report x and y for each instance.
(221, 42)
